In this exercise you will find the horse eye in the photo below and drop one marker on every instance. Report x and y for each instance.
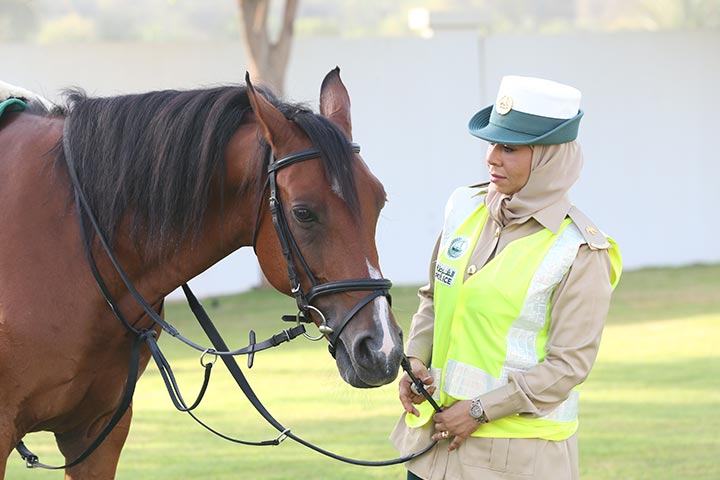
(303, 214)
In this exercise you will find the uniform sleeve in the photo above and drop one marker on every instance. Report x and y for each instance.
(577, 316)
(420, 338)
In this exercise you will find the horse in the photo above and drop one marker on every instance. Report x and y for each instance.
(176, 180)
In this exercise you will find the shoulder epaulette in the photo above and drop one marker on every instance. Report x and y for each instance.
(595, 239)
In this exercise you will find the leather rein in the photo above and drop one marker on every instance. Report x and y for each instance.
(291, 250)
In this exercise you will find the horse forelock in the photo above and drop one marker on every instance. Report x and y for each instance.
(335, 152)
(158, 155)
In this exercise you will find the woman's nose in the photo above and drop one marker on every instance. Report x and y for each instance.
(492, 155)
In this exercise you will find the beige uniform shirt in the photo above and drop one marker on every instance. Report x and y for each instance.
(579, 307)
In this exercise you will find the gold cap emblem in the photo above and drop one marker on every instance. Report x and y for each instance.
(591, 230)
(504, 105)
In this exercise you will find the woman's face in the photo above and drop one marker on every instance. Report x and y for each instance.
(509, 166)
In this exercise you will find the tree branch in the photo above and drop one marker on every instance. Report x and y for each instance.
(288, 21)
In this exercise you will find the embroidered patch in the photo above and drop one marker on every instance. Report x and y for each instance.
(457, 247)
(445, 274)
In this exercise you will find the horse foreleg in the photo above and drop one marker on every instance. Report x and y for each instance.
(102, 463)
(3, 462)
(5, 451)
(8, 438)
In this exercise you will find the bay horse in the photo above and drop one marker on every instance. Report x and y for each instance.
(177, 180)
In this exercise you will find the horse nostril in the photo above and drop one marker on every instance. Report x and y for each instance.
(364, 349)
(377, 361)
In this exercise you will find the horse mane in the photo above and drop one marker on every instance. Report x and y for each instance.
(157, 156)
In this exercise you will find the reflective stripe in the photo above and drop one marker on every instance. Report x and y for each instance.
(462, 204)
(436, 373)
(465, 381)
(566, 411)
(522, 337)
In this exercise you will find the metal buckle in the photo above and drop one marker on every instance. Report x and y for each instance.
(283, 435)
(208, 351)
(323, 328)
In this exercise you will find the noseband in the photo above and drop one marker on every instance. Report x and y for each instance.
(291, 251)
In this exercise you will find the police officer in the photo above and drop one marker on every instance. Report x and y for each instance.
(509, 325)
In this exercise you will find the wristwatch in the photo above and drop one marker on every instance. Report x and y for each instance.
(477, 411)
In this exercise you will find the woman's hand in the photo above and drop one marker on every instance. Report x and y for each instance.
(454, 423)
(408, 397)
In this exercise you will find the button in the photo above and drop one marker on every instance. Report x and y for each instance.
(497, 232)
(471, 269)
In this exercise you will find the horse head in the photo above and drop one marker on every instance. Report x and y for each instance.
(329, 205)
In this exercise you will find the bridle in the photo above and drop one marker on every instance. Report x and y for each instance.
(290, 249)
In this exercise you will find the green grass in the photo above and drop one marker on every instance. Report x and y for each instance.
(650, 409)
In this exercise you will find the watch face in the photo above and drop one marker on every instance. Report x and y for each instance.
(476, 410)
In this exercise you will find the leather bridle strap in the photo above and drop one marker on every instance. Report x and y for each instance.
(350, 286)
(301, 156)
(291, 252)
(358, 306)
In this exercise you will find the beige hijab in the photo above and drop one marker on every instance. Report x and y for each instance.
(554, 169)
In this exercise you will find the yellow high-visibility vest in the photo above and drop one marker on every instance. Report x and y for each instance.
(498, 320)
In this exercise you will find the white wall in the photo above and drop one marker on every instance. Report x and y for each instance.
(650, 100)
(651, 103)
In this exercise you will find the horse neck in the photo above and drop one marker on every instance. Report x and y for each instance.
(228, 225)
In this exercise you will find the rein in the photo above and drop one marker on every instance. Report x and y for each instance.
(290, 249)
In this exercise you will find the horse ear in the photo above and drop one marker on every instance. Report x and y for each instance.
(271, 120)
(335, 101)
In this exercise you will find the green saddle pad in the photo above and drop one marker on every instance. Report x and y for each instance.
(12, 105)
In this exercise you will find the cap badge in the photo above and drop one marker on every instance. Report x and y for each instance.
(504, 105)
(591, 230)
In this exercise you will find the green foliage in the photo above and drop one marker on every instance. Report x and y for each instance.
(648, 411)
(192, 20)
(71, 28)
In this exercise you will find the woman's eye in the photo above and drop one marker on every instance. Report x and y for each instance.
(303, 214)
(508, 149)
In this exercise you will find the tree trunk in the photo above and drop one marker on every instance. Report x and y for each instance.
(267, 60)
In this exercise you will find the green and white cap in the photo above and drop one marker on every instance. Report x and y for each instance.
(530, 111)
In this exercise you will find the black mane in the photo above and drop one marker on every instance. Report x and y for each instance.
(158, 156)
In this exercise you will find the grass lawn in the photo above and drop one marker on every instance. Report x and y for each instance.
(650, 409)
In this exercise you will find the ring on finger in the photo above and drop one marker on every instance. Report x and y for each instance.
(414, 389)
(444, 434)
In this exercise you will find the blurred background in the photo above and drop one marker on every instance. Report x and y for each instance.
(416, 72)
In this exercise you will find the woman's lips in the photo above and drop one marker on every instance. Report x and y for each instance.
(496, 178)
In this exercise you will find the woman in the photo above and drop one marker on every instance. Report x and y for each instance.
(510, 324)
